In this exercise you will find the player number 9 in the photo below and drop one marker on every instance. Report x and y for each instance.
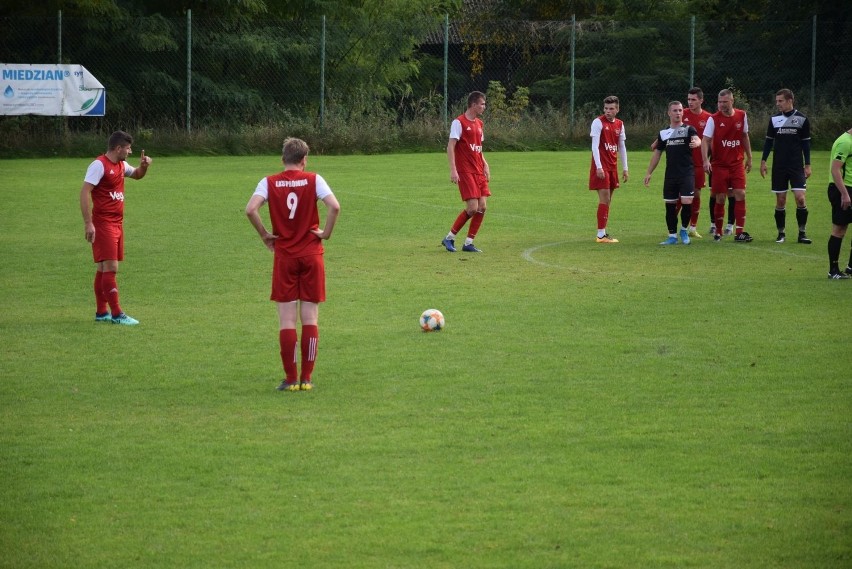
(292, 203)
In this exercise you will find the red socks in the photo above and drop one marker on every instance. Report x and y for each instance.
(603, 215)
(109, 289)
(310, 339)
(696, 206)
(740, 215)
(719, 216)
(288, 341)
(475, 223)
(100, 297)
(459, 222)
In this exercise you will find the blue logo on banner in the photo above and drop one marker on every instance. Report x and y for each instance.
(97, 106)
(9, 92)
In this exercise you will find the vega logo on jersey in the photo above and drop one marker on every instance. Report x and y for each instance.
(475, 147)
(117, 196)
(610, 147)
(731, 143)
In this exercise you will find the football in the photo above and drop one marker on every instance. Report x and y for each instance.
(431, 320)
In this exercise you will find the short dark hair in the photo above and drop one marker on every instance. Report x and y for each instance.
(474, 97)
(119, 138)
(786, 93)
(697, 92)
(612, 99)
(294, 150)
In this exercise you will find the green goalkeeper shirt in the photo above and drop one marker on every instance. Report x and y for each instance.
(841, 150)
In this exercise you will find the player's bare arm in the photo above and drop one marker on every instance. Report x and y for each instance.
(451, 156)
(330, 219)
(747, 148)
(252, 212)
(655, 159)
(86, 210)
(705, 151)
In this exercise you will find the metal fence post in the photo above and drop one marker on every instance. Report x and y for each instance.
(446, 68)
(691, 52)
(59, 38)
(573, 60)
(189, 70)
(59, 122)
(322, 74)
(813, 63)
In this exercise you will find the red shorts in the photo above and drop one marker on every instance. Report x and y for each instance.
(610, 181)
(724, 178)
(473, 186)
(298, 278)
(109, 241)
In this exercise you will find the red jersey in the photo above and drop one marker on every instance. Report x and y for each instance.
(292, 196)
(610, 133)
(698, 122)
(468, 149)
(726, 150)
(108, 192)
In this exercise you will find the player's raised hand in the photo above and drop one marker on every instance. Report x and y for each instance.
(144, 161)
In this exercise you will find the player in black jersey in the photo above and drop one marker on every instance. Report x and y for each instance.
(679, 184)
(789, 131)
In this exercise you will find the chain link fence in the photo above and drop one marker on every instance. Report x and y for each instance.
(197, 73)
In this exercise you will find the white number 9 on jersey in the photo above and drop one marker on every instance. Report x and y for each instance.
(292, 203)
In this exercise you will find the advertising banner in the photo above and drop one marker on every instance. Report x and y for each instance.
(53, 90)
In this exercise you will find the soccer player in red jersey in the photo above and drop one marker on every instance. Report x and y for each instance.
(102, 205)
(726, 138)
(608, 138)
(468, 169)
(695, 116)
(298, 274)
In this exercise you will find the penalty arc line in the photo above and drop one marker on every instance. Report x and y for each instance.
(529, 256)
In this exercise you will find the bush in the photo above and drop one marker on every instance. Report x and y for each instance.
(368, 127)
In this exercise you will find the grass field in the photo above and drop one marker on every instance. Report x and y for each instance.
(587, 405)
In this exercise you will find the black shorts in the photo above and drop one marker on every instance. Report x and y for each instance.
(788, 178)
(673, 188)
(838, 216)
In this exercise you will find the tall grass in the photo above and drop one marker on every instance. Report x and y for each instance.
(372, 129)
